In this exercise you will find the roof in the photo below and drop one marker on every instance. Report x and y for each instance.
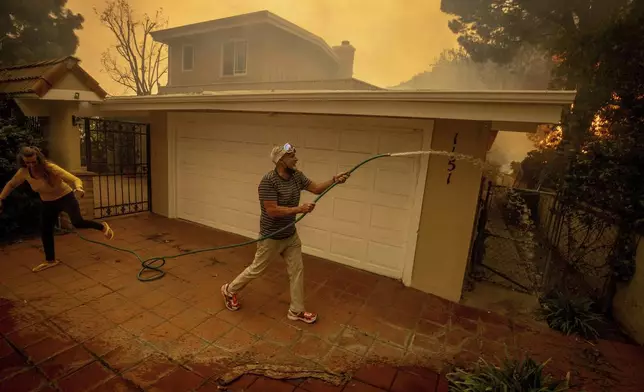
(315, 84)
(509, 107)
(258, 17)
(40, 77)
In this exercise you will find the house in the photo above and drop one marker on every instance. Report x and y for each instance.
(255, 51)
(410, 218)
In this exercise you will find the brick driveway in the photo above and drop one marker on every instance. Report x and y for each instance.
(90, 325)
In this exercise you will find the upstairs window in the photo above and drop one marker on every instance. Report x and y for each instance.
(234, 58)
(188, 58)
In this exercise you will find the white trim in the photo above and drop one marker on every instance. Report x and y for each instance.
(172, 166)
(460, 96)
(183, 56)
(234, 75)
(508, 106)
(514, 127)
(414, 224)
(56, 94)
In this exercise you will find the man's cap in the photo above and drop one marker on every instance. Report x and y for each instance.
(279, 151)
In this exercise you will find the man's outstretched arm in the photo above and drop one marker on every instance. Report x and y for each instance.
(318, 188)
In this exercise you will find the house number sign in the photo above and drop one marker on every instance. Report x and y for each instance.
(451, 164)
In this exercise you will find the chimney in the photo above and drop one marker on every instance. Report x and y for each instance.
(345, 53)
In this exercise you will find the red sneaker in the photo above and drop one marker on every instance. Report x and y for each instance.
(230, 299)
(306, 317)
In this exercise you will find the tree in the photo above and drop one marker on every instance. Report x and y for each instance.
(497, 29)
(36, 30)
(143, 57)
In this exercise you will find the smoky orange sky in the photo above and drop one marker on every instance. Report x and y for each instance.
(394, 39)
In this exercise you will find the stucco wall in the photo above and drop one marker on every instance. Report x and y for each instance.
(629, 300)
(159, 162)
(272, 55)
(447, 217)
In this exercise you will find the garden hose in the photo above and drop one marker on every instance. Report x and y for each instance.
(155, 263)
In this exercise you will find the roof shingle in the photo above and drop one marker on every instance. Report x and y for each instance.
(37, 78)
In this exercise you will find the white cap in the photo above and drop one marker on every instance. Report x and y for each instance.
(279, 151)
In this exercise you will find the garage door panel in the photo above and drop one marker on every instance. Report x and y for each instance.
(351, 211)
(229, 175)
(196, 175)
(399, 142)
(314, 238)
(358, 141)
(362, 178)
(317, 171)
(348, 229)
(389, 218)
(402, 165)
(244, 206)
(322, 139)
(353, 248)
(363, 223)
(387, 236)
(349, 193)
(384, 255)
(394, 183)
(292, 135)
(319, 156)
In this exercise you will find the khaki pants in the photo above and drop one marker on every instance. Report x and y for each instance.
(291, 250)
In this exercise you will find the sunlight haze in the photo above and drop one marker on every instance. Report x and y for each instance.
(393, 41)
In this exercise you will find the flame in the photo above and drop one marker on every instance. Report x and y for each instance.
(550, 137)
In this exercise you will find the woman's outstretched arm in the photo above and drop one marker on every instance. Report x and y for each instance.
(15, 182)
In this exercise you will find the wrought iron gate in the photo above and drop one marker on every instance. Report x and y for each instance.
(513, 243)
(118, 152)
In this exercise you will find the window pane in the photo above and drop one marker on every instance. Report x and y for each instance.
(229, 58)
(240, 64)
(187, 57)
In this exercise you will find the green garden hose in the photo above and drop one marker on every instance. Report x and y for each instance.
(155, 263)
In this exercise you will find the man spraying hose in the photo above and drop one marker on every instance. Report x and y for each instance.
(279, 196)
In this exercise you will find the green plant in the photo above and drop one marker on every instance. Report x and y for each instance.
(570, 315)
(513, 376)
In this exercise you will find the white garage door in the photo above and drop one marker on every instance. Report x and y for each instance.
(369, 223)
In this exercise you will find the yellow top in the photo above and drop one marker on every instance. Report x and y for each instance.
(61, 178)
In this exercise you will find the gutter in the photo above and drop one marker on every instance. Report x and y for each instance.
(507, 97)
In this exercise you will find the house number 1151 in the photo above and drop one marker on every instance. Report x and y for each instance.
(451, 164)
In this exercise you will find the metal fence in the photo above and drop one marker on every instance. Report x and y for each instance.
(582, 247)
(511, 246)
(118, 153)
(526, 240)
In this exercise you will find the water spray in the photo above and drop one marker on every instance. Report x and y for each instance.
(151, 267)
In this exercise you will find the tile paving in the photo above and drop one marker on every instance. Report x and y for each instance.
(90, 325)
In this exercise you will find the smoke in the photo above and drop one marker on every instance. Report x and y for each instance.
(530, 69)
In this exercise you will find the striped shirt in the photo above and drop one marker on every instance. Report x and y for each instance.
(287, 194)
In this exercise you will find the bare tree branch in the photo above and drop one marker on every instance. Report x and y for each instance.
(137, 61)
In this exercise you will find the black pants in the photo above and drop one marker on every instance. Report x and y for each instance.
(50, 212)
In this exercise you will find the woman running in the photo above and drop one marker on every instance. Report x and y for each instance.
(52, 183)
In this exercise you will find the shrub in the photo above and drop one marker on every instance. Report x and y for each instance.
(21, 215)
(570, 315)
(513, 376)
